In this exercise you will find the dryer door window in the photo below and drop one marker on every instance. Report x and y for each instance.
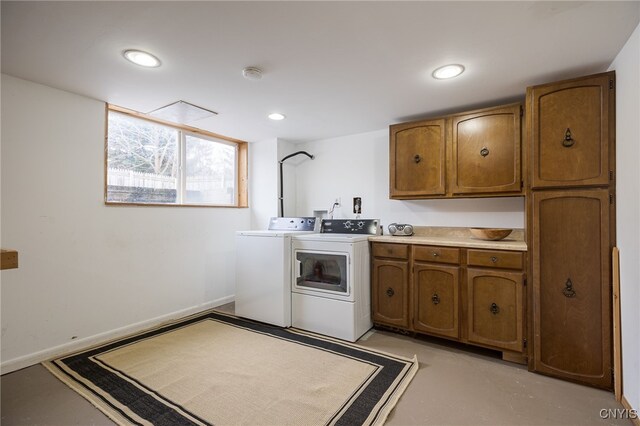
(322, 272)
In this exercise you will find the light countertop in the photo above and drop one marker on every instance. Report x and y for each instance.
(455, 237)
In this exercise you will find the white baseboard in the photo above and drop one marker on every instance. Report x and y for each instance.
(625, 403)
(43, 355)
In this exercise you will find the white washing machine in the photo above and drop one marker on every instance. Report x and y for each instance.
(331, 290)
(263, 270)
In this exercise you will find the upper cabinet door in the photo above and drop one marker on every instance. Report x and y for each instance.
(417, 159)
(486, 151)
(570, 130)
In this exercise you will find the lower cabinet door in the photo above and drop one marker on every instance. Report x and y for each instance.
(436, 299)
(389, 293)
(571, 290)
(496, 308)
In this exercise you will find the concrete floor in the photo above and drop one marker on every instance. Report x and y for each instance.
(456, 385)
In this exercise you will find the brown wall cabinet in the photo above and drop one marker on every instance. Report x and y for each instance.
(571, 126)
(418, 152)
(440, 305)
(571, 214)
(486, 151)
(475, 154)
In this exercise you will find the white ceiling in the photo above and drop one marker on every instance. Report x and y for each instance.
(333, 68)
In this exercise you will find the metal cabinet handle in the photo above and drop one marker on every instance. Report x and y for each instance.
(390, 292)
(435, 298)
(417, 158)
(568, 290)
(494, 309)
(484, 151)
(568, 141)
(494, 259)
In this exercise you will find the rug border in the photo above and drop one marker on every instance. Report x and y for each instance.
(390, 405)
(84, 393)
(387, 402)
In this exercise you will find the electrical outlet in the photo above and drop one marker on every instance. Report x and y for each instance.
(357, 205)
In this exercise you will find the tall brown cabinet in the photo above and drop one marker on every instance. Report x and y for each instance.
(571, 229)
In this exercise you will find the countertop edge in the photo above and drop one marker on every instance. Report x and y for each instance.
(513, 245)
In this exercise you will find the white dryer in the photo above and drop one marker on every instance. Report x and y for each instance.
(331, 290)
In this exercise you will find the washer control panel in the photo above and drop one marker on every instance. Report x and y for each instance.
(292, 224)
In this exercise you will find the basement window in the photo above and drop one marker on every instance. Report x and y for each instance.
(153, 162)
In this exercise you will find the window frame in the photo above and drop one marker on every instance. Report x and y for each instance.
(241, 195)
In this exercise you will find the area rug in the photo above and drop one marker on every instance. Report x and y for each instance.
(218, 369)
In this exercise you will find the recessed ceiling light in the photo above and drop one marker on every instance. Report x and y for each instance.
(277, 116)
(448, 71)
(141, 58)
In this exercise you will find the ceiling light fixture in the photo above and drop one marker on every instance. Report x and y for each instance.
(448, 71)
(277, 116)
(141, 58)
(252, 73)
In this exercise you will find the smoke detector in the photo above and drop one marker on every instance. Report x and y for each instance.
(252, 73)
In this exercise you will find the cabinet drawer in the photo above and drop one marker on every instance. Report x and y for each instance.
(391, 250)
(436, 254)
(496, 259)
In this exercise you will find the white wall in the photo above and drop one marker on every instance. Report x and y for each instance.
(358, 166)
(627, 67)
(289, 175)
(88, 271)
(263, 182)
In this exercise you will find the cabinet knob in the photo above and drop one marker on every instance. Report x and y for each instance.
(494, 309)
(568, 141)
(494, 259)
(390, 292)
(568, 290)
(484, 151)
(417, 158)
(435, 254)
(435, 298)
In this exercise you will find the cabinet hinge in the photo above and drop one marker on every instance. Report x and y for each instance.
(610, 198)
(521, 111)
(611, 84)
(524, 343)
(610, 174)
